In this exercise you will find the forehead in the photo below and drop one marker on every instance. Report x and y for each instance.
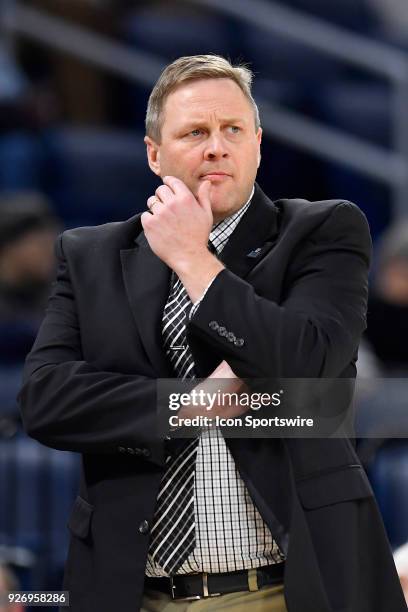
(206, 97)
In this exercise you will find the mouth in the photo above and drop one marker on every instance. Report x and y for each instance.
(215, 176)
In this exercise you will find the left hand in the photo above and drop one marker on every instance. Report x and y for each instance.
(180, 225)
(221, 381)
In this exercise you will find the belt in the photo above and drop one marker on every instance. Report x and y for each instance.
(198, 586)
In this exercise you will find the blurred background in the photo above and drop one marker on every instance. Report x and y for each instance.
(75, 75)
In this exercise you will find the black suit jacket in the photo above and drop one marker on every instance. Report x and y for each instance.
(90, 386)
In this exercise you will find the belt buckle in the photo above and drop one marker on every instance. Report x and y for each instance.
(194, 597)
(205, 587)
(173, 596)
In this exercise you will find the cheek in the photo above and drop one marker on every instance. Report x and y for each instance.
(184, 162)
(253, 162)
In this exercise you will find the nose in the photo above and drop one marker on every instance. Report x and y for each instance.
(215, 148)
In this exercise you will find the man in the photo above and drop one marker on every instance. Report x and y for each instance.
(213, 281)
(8, 584)
(28, 229)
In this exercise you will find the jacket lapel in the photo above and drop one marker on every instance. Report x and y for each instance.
(254, 236)
(147, 281)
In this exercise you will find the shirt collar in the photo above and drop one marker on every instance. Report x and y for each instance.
(221, 232)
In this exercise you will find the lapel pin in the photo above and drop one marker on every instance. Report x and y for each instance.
(255, 253)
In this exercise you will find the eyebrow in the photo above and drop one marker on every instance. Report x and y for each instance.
(201, 122)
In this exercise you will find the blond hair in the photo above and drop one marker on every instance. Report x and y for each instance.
(193, 68)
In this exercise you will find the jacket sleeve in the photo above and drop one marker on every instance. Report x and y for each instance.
(68, 404)
(315, 330)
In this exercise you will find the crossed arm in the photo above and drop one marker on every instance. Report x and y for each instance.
(69, 404)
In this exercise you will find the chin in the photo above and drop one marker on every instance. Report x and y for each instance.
(222, 211)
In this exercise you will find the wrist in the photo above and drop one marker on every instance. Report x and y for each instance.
(197, 272)
(188, 264)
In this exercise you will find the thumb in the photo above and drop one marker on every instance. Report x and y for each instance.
(203, 195)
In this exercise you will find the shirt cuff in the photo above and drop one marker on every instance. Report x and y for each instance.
(196, 304)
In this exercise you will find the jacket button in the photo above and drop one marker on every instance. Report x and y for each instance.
(222, 331)
(231, 337)
(137, 451)
(144, 527)
(213, 325)
(146, 452)
(130, 451)
(122, 449)
(239, 342)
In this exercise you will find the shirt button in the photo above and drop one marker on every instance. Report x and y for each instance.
(144, 527)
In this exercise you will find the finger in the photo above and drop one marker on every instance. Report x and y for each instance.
(164, 193)
(203, 195)
(145, 219)
(153, 201)
(176, 185)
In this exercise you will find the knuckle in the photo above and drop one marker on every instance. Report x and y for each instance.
(185, 198)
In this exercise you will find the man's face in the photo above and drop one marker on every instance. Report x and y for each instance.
(209, 133)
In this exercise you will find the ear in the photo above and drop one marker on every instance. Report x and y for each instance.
(153, 154)
(259, 139)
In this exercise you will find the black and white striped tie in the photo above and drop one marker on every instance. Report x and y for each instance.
(175, 316)
(173, 531)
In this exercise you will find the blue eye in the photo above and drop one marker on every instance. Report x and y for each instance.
(195, 132)
(235, 129)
